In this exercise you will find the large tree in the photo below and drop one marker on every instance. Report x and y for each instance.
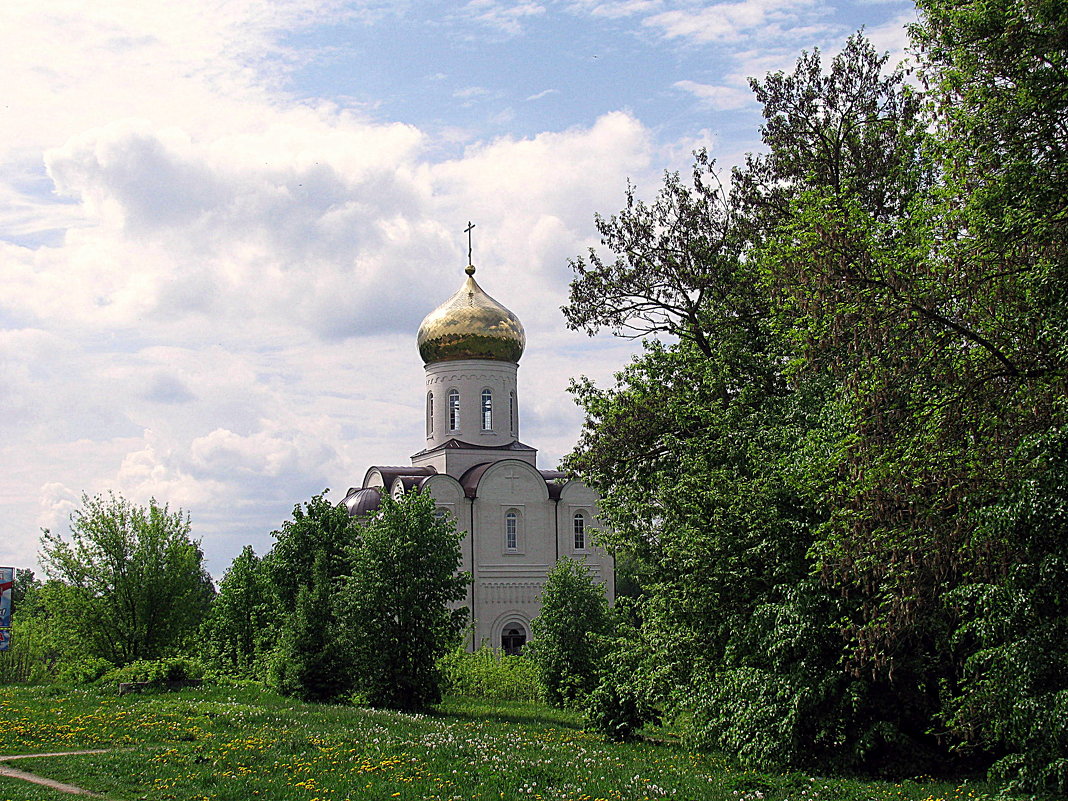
(872, 541)
(134, 583)
(397, 608)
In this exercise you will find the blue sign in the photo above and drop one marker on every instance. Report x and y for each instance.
(7, 581)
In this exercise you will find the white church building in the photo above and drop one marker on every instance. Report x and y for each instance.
(517, 521)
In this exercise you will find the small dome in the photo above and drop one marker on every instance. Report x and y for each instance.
(471, 325)
(363, 501)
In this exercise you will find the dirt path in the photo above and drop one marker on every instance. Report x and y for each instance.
(15, 773)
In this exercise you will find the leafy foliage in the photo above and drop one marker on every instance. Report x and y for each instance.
(133, 584)
(311, 554)
(843, 482)
(568, 637)
(623, 702)
(156, 671)
(490, 674)
(242, 627)
(396, 609)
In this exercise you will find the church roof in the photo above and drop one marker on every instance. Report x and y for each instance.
(460, 445)
(470, 479)
(552, 479)
(471, 325)
(390, 474)
(362, 501)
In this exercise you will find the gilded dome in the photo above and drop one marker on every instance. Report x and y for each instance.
(471, 325)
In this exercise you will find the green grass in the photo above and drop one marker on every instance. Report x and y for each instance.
(245, 742)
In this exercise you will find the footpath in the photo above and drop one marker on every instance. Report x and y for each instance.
(15, 773)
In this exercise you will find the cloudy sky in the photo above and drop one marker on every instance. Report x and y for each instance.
(221, 222)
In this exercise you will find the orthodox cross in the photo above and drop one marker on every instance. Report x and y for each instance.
(467, 230)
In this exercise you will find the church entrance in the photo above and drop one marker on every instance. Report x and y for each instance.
(513, 638)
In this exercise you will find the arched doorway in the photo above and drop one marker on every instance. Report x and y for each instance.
(513, 638)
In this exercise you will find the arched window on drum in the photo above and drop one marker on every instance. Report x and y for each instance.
(487, 410)
(454, 410)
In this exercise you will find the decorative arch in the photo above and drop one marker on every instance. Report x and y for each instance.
(510, 632)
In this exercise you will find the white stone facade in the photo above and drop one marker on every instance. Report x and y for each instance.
(517, 521)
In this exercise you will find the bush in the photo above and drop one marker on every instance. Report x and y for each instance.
(491, 675)
(84, 671)
(156, 671)
(621, 703)
(569, 633)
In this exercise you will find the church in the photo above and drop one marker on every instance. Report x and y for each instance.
(517, 521)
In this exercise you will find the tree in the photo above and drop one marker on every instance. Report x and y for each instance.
(672, 258)
(319, 530)
(242, 626)
(569, 633)
(135, 583)
(311, 555)
(861, 561)
(312, 662)
(396, 609)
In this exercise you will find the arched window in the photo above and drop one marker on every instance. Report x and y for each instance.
(579, 527)
(511, 413)
(454, 410)
(429, 413)
(511, 531)
(487, 410)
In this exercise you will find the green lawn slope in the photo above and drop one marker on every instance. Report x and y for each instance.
(245, 742)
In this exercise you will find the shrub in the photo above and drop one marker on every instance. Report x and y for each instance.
(156, 671)
(568, 634)
(84, 671)
(621, 703)
(491, 675)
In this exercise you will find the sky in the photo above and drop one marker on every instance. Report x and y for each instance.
(222, 221)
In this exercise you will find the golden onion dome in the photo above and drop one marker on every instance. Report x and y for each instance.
(471, 325)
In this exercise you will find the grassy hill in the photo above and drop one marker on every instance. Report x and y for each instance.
(246, 742)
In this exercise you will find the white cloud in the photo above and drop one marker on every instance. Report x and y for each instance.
(211, 289)
(543, 93)
(504, 18)
(719, 98)
(726, 22)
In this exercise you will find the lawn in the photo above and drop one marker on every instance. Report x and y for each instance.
(237, 743)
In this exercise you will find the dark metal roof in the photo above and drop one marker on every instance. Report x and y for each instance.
(411, 481)
(469, 480)
(460, 445)
(363, 501)
(552, 481)
(390, 474)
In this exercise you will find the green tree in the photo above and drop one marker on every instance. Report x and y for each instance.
(319, 530)
(852, 488)
(311, 554)
(396, 609)
(134, 583)
(312, 662)
(569, 635)
(243, 624)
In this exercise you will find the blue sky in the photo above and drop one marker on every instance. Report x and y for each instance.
(221, 222)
